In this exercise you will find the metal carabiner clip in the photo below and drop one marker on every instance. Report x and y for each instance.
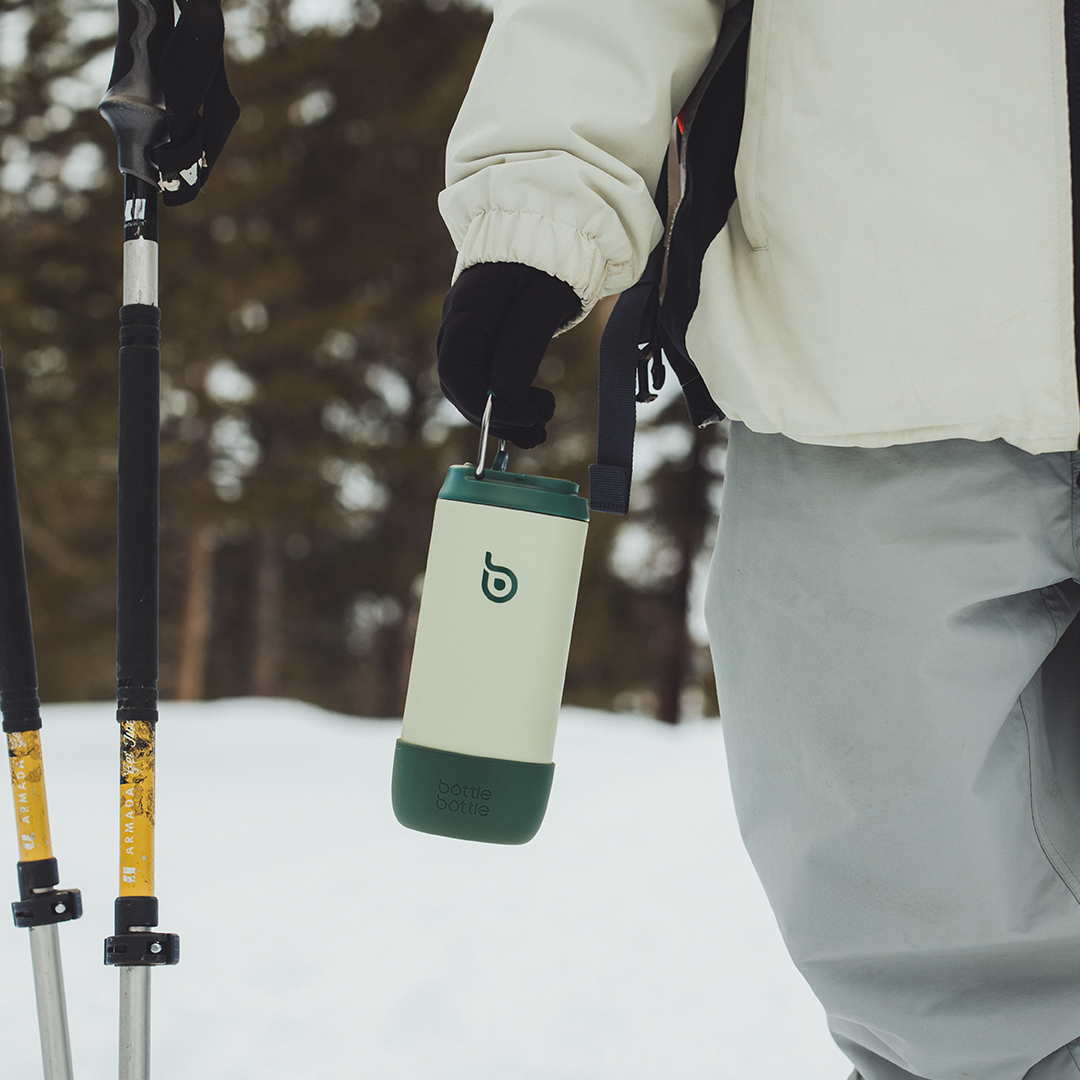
(501, 457)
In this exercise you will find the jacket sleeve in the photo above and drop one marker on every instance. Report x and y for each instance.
(557, 149)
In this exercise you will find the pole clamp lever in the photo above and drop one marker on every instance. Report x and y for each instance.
(142, 948)
(51, 906)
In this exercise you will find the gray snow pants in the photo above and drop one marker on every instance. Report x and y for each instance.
(898, 664)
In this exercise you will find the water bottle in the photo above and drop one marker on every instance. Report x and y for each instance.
(474, 760)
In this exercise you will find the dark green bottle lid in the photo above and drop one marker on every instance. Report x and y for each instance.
(468, 797)
(515, 491)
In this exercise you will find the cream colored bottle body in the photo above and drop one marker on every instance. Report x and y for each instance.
(492, 642)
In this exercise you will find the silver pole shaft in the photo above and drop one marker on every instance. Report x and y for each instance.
(51, 1006)
(141, 272)
(135, 1023)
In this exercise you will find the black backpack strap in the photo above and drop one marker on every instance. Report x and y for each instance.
(628, 342)
(634, 332)
(736, 20)
(708, 157)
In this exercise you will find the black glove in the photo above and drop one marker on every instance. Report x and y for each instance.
(497, 320)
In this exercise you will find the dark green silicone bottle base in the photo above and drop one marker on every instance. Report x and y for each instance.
(471, 798)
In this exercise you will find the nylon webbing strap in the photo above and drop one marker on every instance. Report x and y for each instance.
(628, 341)
(631, 336)
(622, 348)
(736, 20)
(169, 101)
(192, 74)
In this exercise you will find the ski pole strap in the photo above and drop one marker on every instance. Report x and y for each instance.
(192, 79)
(169, 101)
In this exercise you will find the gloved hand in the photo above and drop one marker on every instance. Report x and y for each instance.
(497, 320)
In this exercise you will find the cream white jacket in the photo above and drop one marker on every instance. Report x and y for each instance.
(898, 266)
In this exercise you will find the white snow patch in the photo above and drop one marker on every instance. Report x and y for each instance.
(321, 940)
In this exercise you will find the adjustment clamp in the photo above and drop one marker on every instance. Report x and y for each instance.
(48, 906)
(142, 948)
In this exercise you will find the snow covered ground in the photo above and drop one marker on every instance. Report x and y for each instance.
(321, 941)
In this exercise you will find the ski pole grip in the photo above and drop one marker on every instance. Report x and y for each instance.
(134, 105)
(18, 670)
(137, 512)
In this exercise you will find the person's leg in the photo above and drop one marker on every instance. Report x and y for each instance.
(899, 698)
(1062, 1064)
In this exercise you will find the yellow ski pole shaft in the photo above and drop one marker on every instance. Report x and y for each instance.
(40, 906)
(135, 947)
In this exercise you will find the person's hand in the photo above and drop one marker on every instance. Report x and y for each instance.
(497, 321)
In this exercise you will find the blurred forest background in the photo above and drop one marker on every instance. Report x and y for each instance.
(304, 437)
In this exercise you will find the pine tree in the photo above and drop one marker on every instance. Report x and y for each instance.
(59, 295)
(304, 436)
(302, 297)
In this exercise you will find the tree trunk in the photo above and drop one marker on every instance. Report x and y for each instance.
(267, 630)
(198, 616)
(675, 641)
(686, 495)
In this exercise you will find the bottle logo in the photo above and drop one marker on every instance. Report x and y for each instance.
(500, 582)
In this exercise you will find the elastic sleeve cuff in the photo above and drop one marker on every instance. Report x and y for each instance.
(556, 248)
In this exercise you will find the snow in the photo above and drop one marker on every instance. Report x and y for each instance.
(322, 941)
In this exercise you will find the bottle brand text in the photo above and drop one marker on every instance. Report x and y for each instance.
(466, 799)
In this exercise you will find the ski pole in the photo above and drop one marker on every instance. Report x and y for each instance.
(135, 109)
(40, 906)
(171, 110)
